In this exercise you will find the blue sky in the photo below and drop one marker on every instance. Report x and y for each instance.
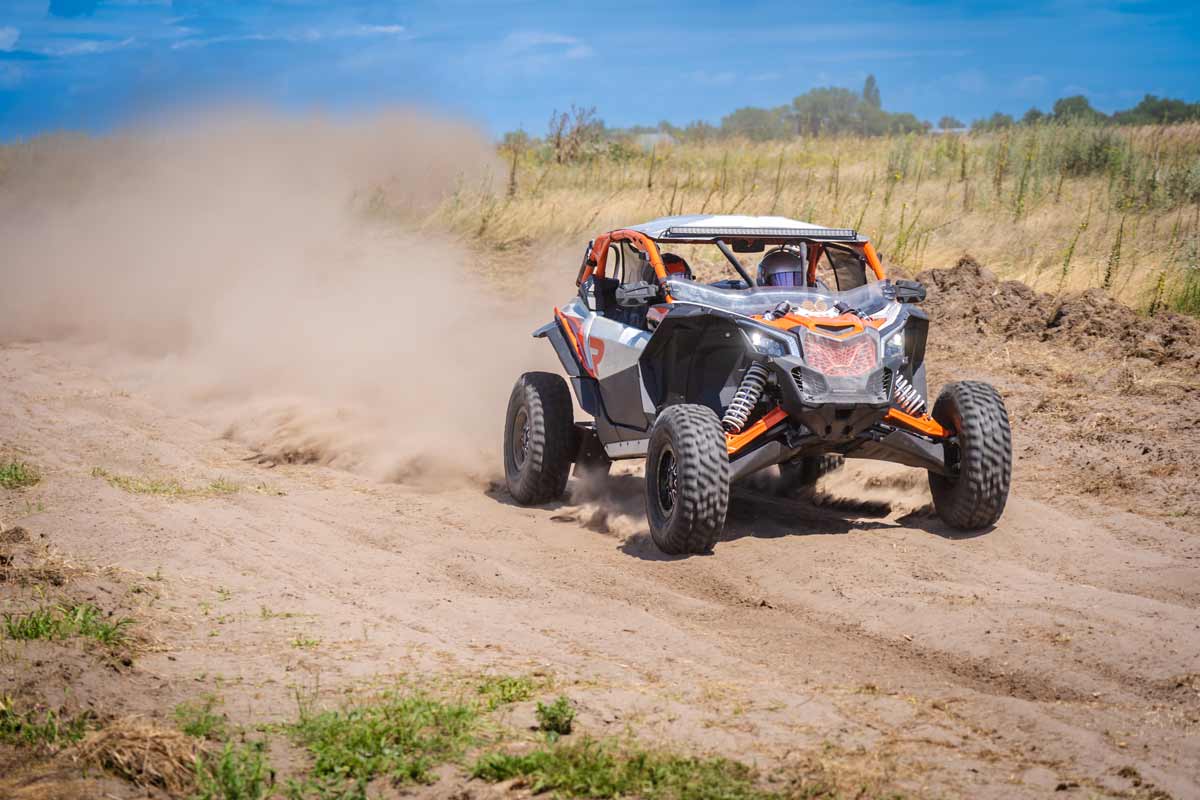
(94, 65)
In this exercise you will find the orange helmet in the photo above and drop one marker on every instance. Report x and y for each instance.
(676, 266)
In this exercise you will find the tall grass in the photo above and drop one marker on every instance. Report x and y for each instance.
(1016, 200)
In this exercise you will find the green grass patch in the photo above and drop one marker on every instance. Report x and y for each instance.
(134, 485)
(556, 718)
(61, 622)
(595, 769)
(18, 475)
(199, 719)
(237, 772)
(169, 487)
(401, 735)
(1187, 298)
(501, 690)
(47, 729)
(224, 486)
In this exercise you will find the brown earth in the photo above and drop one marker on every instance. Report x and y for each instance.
(265, 401)
(1057, 653)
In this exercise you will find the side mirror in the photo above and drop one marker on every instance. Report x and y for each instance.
(636, 294)
(908, 291)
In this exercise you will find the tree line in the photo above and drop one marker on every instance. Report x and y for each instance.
(1150, 110)
(826, 111)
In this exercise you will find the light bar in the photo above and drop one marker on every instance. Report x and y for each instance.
(755, 233)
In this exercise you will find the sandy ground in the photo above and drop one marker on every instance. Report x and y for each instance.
(1054, 652)
(263, 303)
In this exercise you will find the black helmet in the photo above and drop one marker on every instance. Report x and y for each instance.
(784, 266)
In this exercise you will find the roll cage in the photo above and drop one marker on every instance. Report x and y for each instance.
(746, 240)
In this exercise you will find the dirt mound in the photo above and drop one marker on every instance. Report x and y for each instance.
(1088, 320)
(1105, 401)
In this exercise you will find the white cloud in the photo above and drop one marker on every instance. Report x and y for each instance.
(86, 47)
(297, 36)
(543, 44)
(8, 38)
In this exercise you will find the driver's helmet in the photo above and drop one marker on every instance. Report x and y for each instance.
(676, 267)
(784, 266)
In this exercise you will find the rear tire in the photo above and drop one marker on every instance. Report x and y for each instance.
(539, 438)
(804, 472)
(974, 499)
(687, 479)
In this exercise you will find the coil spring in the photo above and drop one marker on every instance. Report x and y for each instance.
(907, 398)
(753, 383)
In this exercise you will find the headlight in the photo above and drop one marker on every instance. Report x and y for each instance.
(893, 346)
(768, 345)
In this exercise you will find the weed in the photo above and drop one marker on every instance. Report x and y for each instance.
(556, 718)
(238, 772)
(60, 622)
(266, 613)
(500, 690)
(169, 487)
(402, 736)
(594, 769)
(197, 719)
(1114, 257)
(18, 475)
(305, 643)
(50, 730)
(224, 486)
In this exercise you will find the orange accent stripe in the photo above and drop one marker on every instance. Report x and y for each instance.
(736, 441)
(857, 324)
(568, 326)
(923, 424)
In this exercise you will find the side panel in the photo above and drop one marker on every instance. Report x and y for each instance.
(611, 380)
(613, 351)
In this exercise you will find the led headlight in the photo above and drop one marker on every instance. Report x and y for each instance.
(768, 345)
(893, 346)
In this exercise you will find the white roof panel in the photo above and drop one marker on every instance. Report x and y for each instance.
(659, 228)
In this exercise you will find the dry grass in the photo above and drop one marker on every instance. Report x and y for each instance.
(1058, 208)
(144, 754)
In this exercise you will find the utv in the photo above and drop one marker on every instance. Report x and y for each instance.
(711, 382)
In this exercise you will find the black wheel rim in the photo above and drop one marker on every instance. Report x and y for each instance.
(520, 438)
(667, 480)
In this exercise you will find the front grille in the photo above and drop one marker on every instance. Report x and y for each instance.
(887, 383)
(841, 358)
(810, 383)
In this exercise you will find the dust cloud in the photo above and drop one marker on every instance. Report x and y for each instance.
(277, 279)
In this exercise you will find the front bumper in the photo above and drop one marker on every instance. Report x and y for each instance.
(835, 409)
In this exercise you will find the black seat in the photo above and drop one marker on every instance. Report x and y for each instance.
(605, 290)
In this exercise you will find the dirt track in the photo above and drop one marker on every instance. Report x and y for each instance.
(1052, 652)
(291, 346)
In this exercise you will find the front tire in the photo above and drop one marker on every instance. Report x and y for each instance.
(687, 479)
(974, 499)
(539, 436)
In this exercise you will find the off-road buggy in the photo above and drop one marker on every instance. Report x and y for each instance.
(713, 382)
